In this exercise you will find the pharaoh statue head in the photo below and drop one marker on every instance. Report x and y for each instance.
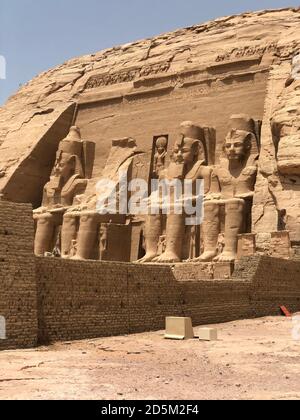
(241, 141)
(188, 149)
(69, 156)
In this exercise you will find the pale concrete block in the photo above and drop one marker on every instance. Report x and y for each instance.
(208, 334)
(179, 328)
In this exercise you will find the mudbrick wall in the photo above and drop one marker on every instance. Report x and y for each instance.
(88, 299)
(18, 296)
(47, 299)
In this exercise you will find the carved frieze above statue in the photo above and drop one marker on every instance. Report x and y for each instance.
(244, 52)
(126, 76)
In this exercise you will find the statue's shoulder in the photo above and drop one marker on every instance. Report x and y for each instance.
(48, 184)
(218, 170)
(198, 170)
(250, 170)
(80, 181)
(74, 183)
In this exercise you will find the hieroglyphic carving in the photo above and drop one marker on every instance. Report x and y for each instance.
(111, 79)
(249, 51)
(126, 76)
(155, 69)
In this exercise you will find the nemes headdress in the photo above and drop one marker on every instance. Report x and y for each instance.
(194, 135)
(73, 145)
(242, 122)
(191, 130)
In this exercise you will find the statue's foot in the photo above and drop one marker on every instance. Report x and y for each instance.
(167, 258)
(226, 257)
(207, 256)
(77, 258)
(147, 258)
(65, 256)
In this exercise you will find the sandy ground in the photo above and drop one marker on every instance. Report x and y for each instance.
(253, 359)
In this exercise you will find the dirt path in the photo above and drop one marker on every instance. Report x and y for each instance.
(253, 359)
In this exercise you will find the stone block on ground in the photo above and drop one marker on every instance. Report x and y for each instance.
(208, 334)
(179, 328)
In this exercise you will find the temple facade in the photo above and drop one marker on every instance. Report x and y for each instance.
(210, 112)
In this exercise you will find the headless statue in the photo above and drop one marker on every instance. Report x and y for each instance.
(187, 162)
(66, 182)
(232, 186)
(83, 222)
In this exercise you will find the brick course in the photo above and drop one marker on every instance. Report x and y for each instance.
(85, 299)
(48, 299)
(18, 294)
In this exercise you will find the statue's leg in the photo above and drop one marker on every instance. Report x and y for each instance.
(234, 222)
(68, 234)
(87, 236)
(43, 241)
(152, 234)
(211, 230)
(174, 240)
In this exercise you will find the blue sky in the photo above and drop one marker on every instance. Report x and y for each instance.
(36, 35)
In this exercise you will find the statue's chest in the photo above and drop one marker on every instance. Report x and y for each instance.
(244, 178)
(53, 192)
(58, 195)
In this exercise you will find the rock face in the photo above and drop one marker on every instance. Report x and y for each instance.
(285, 122)
(245, 64)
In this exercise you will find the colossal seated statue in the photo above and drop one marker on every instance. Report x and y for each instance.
(66, 183)
(232, 187)
(188, 162)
